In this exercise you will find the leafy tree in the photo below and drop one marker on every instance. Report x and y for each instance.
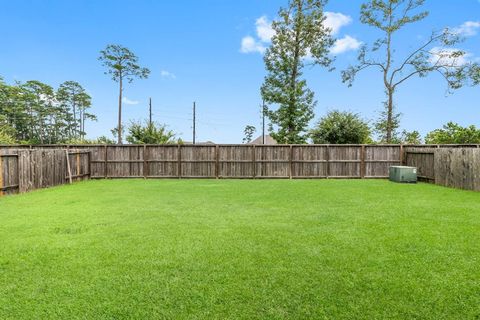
(249, 132)
(474, 74)
(453, 133)
(339, 127)
(385, 124)
(44, 116)
(299, 34)
(114, 132)
(7, 133)
(36, 113)
(412, 137)
(470, 74)
(75, 101)
(389, 17)
(99, 140)
(12, 110)
(121, 64)
(104, 140)
(149, 133)
(6, 137)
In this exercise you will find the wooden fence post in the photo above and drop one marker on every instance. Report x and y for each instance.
(290, 163)
(19, 173)
(254, 162)
(105, 163)
(363, 165)
(89, 164)
(69, 170)
(402, 158)
(145, 161)
(179, 161)
(1, 176)
(24, 171)
(79, 173)
(217, 160)
(328, 161)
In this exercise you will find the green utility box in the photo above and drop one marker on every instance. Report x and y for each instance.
(403, 174)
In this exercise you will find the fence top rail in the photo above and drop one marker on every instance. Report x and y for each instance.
(25, 146)
(420, 152)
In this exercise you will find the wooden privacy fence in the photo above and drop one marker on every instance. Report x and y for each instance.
(424, 160)
(456, 167)
(26, 170)
(32, 167)
(244, 161)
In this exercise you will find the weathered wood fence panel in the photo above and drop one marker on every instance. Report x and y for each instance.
(162, 161)
(310, 161)
(379, 160)
(31, 167)
(458, 168)
(424, 160)
(244, 161)
(8, 173)
(198, 161)
(26, 170)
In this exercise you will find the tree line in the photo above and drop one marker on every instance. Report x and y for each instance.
(344, 127)
(301, 39)
(35, 113)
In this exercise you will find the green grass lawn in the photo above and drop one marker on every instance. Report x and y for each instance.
(323, 249)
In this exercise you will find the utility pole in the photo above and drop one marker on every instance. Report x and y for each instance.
(194, 121)
(263, 122)
(150, 112)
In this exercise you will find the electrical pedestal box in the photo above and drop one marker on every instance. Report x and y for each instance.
(403, 174)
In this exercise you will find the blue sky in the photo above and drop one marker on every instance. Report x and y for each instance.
(194, 51)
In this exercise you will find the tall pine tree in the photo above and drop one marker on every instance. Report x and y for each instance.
(436, 54)
(300, 38)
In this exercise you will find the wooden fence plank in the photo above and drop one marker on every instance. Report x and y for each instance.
(457, 168)
(1, 176)
(363, 168)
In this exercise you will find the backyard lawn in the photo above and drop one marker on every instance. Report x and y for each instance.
(207, 249)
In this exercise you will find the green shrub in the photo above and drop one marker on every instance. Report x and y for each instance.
(149, 133)
(340, 127)
(453, 133)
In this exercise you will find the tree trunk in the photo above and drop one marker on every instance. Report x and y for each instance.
(75, 126)
(119, 127)
(390, 116)
(83, 125)
(296, 60)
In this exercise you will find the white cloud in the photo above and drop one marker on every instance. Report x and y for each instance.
(336, 20)
(264, 34)
(264, 29)
(446, 56)
(129, 102)
(167, 74)
(345, 44)
(467, 29)
(249, 45)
